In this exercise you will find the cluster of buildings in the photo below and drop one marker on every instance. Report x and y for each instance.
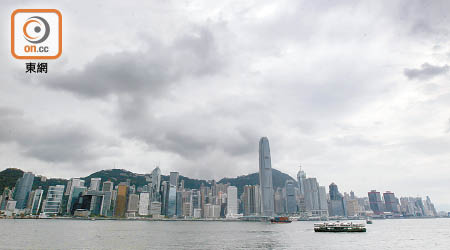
(171, 199)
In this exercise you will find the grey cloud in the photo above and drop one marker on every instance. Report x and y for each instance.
(133, 74)
(354, 140)
(189, 134)
(63, 142)
(427, 71)
(448, 126)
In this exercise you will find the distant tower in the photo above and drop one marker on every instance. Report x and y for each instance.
(301, 176)
(232, 205)
(23, 189)
(265, 178)
(156, 183)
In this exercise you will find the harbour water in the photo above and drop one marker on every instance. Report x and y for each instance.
(110, 234)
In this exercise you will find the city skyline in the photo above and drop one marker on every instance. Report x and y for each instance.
(356, 89)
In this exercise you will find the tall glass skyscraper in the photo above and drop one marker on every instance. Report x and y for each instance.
(291, 202)
(232, 204)
(301, 176)
(156, 184)
(265, 178)
(23, 189)
(172, 201)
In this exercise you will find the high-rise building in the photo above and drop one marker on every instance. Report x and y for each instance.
(155, 208)
(315, 198)
(301, 177)
(53, 200)
(232, 204)
(95, 184)
(265, 178)
(74, 182)
(291, 202)
(36, 201)
(121, 200)
(156, 183)
(133, 204)
(376, 204)
(251, 200)
(144, 203)
(23, 189)
(391, 202)
(336, 205)
(174, 179)
(172, 200)
(108, 186)
(279, 201)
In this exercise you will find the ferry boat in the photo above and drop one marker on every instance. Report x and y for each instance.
(280, 220)
(339, 227)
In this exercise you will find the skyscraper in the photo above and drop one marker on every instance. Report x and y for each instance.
(23, 189)
(174, 178)
(391, 202)
(279, 201)
(265, 178)
(301, 176)
(53, 200)
(73, 183)
(376, 204)
(251, 200)
(337, 205)
(95, 184)
(315, 198)
(172, 201)
(156, 183)
(291, 202)
(36, 201)
(121, 201)
(144, 203)
(232, 206)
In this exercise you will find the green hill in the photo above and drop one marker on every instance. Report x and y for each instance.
(8, 178)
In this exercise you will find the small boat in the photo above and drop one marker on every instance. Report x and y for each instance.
(339, 227)
(368, 221)
(280, 220)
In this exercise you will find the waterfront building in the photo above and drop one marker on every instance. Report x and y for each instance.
(315, 198)
(133, 205)
(337, 204)
(144, 204)
(391, 202)
(279, 201)
(23, 189)
(165, 197)
(430, 207)
(179, 210)
(172, 201)
(376, 204)
(74, 183)
(291, 202)
(121, 200)
(197, 213)
(265, 178)
(174, 179)
(36, 201)
(251, 199)
(155, 208)
(95, 184)
(232, 203)
(53, 200)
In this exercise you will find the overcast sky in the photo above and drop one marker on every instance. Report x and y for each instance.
(358, 93)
